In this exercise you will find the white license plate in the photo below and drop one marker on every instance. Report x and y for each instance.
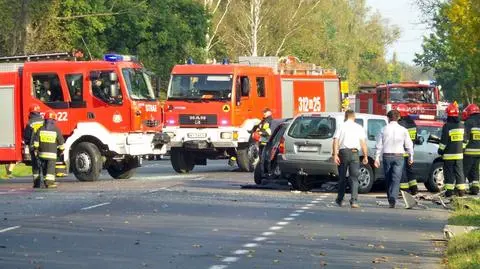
(197, 135)
(308, 148)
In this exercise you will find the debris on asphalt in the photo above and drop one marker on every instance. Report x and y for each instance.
(323, 263)
(196, 245)
(380, 260)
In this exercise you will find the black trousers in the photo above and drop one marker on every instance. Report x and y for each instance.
(348, 160)
(453, 173)
(48, 167)
(471, 165)
(35, 165)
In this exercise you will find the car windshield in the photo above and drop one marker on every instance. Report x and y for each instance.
(426, 131)
(216, 87)
(413, 95)
(312, 128)
(138, 84)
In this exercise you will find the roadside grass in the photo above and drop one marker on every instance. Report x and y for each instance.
(463, 251)
(20, 170)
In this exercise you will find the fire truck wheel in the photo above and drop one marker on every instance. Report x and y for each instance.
(86, 161)
(181, 162)
(247, 157)
(121, 169)
(435, 181)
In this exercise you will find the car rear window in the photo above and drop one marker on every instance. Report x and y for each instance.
(312, 128)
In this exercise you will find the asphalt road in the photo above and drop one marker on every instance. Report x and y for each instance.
(206, 220)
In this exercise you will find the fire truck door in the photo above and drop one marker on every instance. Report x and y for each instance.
(243, 106)
(48, 90)
(76, 85)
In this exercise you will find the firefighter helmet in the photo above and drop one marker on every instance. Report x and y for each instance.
(403, 110)
(34, 108)
(50, 115)
(470, 110)
(452, 110)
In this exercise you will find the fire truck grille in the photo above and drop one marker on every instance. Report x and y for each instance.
(189, 119)
(151, 123)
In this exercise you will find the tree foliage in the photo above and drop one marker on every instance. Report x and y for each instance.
(453, 49)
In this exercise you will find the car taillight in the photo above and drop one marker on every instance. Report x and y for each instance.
(281, 146)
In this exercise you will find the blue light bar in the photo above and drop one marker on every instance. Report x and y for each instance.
(118, 58)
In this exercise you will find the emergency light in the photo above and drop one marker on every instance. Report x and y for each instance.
(118, 58)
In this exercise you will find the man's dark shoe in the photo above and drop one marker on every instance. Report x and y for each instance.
(392, 205)
(461, 193)
(37, 184)
(339, 202)
(354, 205)
(413, 190)
(449, 193)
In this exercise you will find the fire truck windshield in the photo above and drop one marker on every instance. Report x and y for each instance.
(200, 87)
(413, 95)
(138, 84)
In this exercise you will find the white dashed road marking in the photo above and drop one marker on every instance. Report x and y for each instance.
(9, 229)
(280, 226)
(95, 206)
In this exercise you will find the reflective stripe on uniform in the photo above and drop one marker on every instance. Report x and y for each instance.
(449, 187)
(461, 187)
(451, 157)
(470, 151)
(412, 132)
(456, 134)
(36, 125)
(61, 147)
(475, 133)
(406, 155)
(50, 177)
(475, 184)
(404, 186)
(464, 145)
(48, 155)
(442, 146)
(48, 136)
(412, 183)
(36, 144)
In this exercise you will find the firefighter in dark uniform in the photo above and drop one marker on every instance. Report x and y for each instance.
(264, 129)
(451, 148)
(47, 141)
(409, 182)
(35, 121)
(471, 155)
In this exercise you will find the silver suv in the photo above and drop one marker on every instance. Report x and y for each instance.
(306, 152)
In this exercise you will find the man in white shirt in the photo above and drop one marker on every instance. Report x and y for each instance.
(348, 140)
(392, 142)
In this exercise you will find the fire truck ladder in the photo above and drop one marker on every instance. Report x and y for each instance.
(37, 57)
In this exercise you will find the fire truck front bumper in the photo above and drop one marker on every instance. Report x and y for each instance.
(142, 144)
(206, 138)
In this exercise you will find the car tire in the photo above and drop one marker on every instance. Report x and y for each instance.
(258, 174)
(435, 180)
(301, 183)
(366, 178)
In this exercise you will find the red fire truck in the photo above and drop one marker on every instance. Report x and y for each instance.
(421, 98)
(211, 110)
(106, 110)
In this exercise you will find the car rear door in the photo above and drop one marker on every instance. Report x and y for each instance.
(310, 138)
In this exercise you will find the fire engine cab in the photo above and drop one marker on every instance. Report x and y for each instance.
(420, 98)
(212, 109)
(107, 110)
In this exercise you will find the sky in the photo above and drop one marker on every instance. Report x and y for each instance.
(405, 15)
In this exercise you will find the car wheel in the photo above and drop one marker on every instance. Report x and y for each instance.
(365, 178)
(258, 174)
(435, 181)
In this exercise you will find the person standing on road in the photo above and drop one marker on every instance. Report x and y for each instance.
(47, 141)
(471, 158)
(451, 148)
(392, 142)
(264, 129)
(35, 121)
(408, 182)
(347, 141)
